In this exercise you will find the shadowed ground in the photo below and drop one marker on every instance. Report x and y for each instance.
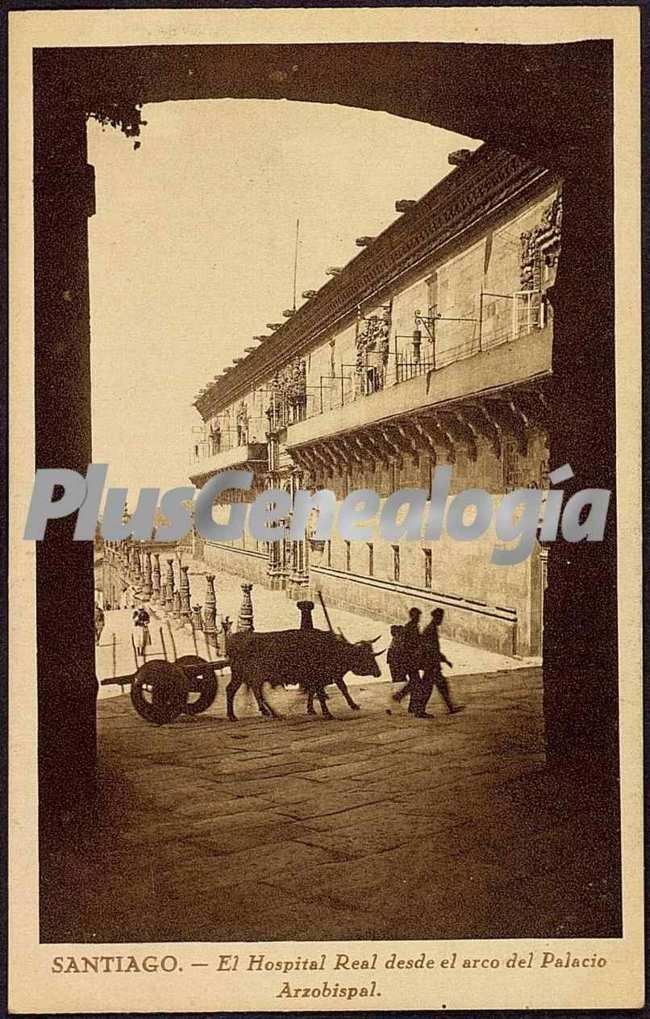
(375, 826)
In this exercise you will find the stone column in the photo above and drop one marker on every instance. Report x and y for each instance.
(245, 618)
(197, 618)
(148, 587)
(186, 608)
(169, 586)
(137, 568)
(155, 578)
(300, 577)
(273, 554)
(210, 611)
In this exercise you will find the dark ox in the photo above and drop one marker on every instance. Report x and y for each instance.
(311, 658)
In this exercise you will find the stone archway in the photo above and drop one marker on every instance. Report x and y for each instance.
(562, 119)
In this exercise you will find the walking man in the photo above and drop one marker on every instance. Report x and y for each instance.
(432, 677)
(411, 657)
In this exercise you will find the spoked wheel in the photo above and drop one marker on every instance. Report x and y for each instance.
(201, 683)
(158, 692)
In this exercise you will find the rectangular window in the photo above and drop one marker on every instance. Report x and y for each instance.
(396, 563)
(428, 576)
(426, 472)
(510, 461)
(347, 555)
(371, 559)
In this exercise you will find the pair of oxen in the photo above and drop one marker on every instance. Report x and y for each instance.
(310, 658)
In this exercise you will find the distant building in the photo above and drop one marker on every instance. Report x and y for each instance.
(433, 345)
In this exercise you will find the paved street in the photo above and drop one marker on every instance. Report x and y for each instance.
(374, 825)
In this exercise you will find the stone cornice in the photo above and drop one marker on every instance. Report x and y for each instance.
(466, 196)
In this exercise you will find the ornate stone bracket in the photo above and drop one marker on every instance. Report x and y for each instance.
(392, 445)
(379, 450)
(440, 436)
(485, 424)
(510, 418)
(452, 422)
(410, 444)
(426, 437)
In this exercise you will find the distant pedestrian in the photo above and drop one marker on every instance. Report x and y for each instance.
(99, 622)
(432, 659)
(141, 636)
(412, 652)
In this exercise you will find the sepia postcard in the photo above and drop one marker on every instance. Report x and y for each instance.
(325, 518)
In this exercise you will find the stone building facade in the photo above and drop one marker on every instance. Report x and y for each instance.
(434, 345)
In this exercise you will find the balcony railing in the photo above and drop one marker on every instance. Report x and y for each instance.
(246, 453)
(528, 314)
(511, 317)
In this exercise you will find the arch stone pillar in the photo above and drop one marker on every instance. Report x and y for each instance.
(67, 685)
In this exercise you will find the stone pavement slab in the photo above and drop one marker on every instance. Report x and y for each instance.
(375, 825)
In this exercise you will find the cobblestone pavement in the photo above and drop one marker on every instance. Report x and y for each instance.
(374, 825)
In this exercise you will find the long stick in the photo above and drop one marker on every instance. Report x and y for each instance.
(162, 643)
(295, 264)
(326, 613)
(171, 638)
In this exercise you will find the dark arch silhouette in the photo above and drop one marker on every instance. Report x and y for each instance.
(551, 104)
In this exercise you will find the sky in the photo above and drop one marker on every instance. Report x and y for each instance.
(192, 248)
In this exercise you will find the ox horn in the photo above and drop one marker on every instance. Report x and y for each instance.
(374, 639)
(376, 654)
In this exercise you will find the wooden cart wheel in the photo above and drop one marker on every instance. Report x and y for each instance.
(158, 692)
(202, 684)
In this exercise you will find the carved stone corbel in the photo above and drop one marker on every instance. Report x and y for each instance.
(379, 450)
(411, 446)
(331, 457)
(510, 418)
(440, 436)
(426, 437)
(486, 424)
(348, 449)
(534, 404)
(390, 443)
(460, 430)
(366, 452)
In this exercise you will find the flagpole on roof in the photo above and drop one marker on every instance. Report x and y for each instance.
(295, 264)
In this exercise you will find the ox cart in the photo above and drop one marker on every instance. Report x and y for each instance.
(162, 689)
(164, 685)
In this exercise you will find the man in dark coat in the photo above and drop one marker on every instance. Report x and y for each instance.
(411, 656)
(432, 659)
